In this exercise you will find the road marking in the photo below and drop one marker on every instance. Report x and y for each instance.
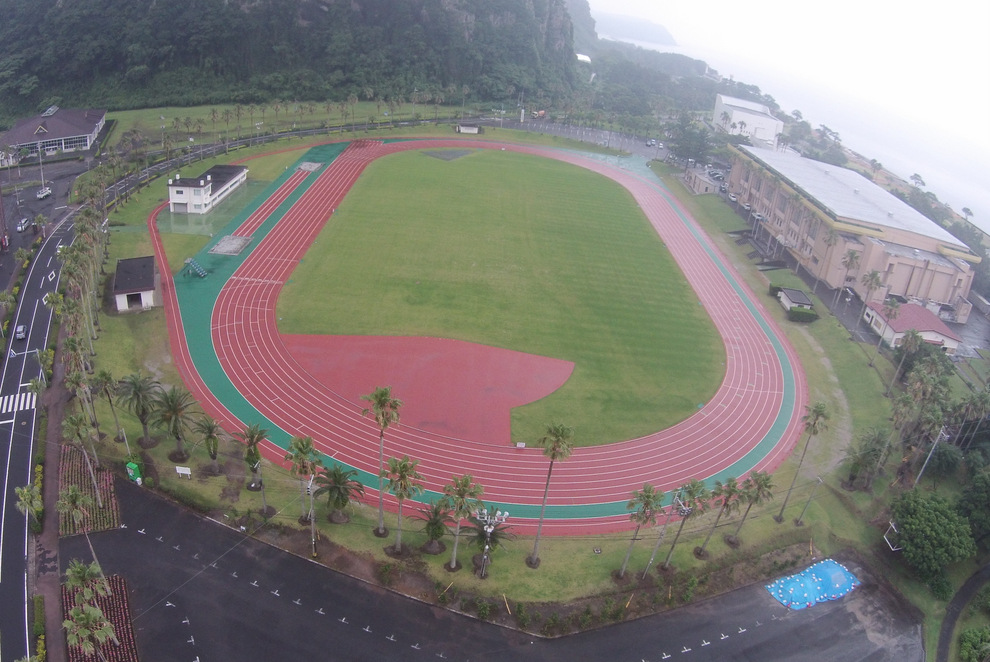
(17, 402)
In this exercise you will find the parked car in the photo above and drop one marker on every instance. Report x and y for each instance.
(23, 224)
(43, 193)
(733, 197)
(21, 332)
(746, 206)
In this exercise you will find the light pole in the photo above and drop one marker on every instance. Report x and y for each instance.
(490, 521)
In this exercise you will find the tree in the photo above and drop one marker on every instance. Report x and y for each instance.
(690, 500)
(872, 282)
(850, 261)
(910, 343)
(967, 212)
(173, 410)
(385, 410)
(463, 497)
(917, 180)
(105, 385)
(435, 517)
(210, 431)
(944, 462)
(974, 505)
(815, 421)
(757, 489)
(866, 455)
(137, 393)
(30, 503)
(932, 535)
(76, 428)
(87, 629)
(556, 444)
(726, 496)
(76, 506)
(645, 504)
(85, 581)
(890, 311)
(341, 487)
(404, 483)
(252, 437)
(305, 463)
(831, 239)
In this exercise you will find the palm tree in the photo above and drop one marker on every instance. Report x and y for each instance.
(252, 437)
(815, 421)
(87, 629)
(305, 463)
(910, 343)
(137, 393)
(76, 428)
(436, 517)
(210, 430)
(890, 308)
(403, 483)
(646, 503)
(850, 261)
(463, 497)
(30, 503)
(557, 444)
(341, 487)
(173, 410)
(75, 505)
(872, 282)
(105, 385)
(385, 409)
(85, 581)
(690, 500)
(831, 239)
(756, 490)
(727, 496)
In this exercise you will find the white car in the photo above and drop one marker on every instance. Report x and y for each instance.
(732, 197)
(23, 224)
(43, 193)
(20, 332)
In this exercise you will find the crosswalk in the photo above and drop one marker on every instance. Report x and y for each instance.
(17, 402)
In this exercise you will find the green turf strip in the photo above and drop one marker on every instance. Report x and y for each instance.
(525, 253)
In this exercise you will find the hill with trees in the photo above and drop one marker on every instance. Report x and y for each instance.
(147, 53)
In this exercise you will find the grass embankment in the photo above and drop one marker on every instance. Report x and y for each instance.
(837, 373)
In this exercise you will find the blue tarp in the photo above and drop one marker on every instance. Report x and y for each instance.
(825, 580)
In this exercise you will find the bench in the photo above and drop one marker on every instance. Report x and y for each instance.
(184, 471)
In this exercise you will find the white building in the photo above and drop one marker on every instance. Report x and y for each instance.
(746, 118)
(199, 195)
(135, 284)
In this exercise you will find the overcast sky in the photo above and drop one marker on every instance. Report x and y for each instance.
(867, 68)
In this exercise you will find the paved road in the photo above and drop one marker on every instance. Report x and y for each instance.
(198, 589)
(18, 414)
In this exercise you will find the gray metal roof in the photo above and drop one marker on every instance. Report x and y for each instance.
(849, 195)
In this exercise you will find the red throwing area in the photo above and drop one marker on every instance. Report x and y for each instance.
(434, 377)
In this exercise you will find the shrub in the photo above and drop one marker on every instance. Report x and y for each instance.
(41, 653)
(689, 588)
(774, 290)
(38, 623)
(522, 615)
(386, 573)
(550, 627)
(484, 609)
(802, 315)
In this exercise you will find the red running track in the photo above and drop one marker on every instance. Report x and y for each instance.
(731, 424)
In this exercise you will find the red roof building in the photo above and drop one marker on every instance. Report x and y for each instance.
(911, 316)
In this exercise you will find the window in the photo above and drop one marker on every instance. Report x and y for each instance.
(179, 191)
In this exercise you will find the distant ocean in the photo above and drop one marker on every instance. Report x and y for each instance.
(952, 169)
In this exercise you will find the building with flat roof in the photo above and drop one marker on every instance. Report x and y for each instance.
(199, 195)
(838, 226)
(746, 118)
(55, 130)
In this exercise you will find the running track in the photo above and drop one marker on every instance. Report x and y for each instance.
(751, 422)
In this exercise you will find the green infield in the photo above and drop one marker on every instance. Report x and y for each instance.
(524, 253)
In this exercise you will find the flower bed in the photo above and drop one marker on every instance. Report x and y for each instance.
(118, 612)
(72, 471)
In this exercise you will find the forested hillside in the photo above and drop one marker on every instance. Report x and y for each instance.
(139, 53)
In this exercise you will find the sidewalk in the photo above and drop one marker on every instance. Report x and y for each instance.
(43, 564)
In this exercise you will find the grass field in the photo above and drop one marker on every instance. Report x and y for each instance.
(523, 253)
